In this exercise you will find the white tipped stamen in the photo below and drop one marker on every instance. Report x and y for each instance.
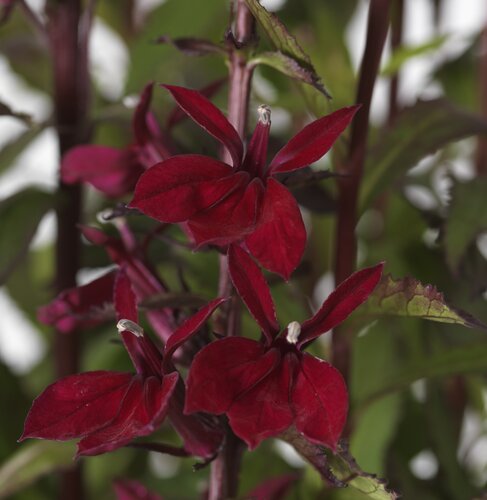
(264, 114)
(293, 331)
(125, 325)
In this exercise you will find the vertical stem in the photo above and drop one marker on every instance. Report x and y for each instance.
(225, 468)
(348, 186)
(481, 157)
(397, 19)
(71, 84)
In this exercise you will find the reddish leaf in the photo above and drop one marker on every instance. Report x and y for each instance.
(225, 369)
(320, 401)
(253, 289)
(209, 117)
(76, 405)
(133, 490)
(341, 302)
(312, 142)
(279, 240)
(177, 188)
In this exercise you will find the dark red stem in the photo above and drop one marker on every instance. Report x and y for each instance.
(68, 46)
(346, 241)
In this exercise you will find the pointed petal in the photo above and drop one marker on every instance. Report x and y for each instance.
(209, 117)
(230, 219)
(133, 490)
(191, 326)
(143, 409)
(341, 302)
(311, 143)
(256, 158)
(275, 488)
(223, 370)
(140, 124)
(79, 307)
(76, 405)
(279, 240)
(253, 290)
(264, 410)
(177, 188)
(320, 401)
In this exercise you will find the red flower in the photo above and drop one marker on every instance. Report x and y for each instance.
(224, 203)
(108, 409)
(266, 387)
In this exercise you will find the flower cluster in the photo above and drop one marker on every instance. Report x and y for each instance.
(265, 386)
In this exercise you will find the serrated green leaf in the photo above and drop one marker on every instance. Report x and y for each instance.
(467, 218)
(409, 297)
(32, 461)
(20, 214)
(420, 130)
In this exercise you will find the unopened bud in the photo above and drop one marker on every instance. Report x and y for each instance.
(293, 331)
(126, 325)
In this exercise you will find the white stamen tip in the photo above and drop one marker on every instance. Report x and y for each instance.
(293, 331)
(125, 325)
(264, 114)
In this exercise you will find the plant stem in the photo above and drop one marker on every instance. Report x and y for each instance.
(481, 157)
(348, 186)
(71, 84)
(225, 468)
(397, 21)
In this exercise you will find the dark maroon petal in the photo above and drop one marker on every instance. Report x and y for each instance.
(133, 490)
(79, 307)
(143, 409)
(112, 171)
(223, 371)
(341, 302)
(279, 240)
(311, 143)
(76, 405)
(264, 410)
(140, 124)
(253, 290)
(209, 117)
(191, 326)
(175, 189)
(320, 401)
(275, 488)
(256, 158)
(231, 219)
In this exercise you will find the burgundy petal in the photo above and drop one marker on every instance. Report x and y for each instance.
(175, 189)
(112, 171)
(264, 410)
(209, 117)
(256, 157)
(253, 290)
(133, 490)
(320, 401)
(275, 488)
(311, 143)
(141, 126)
(79, 307)
(191, 326)
(341, 302)
(142, 410)
(279, 240)
(223, 371)
(229, 220)
(76, 405)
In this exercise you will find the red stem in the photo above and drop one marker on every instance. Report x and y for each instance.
(348, 186)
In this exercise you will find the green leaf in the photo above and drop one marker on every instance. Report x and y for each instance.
(467, 218)
(404, 53)
(286, 44)
(409, 297)
(419, 131)
(32, 461)
(20, 215)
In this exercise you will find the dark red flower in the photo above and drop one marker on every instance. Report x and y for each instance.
(242, 202)
(133, 490)
(266, 387)
(107, 410)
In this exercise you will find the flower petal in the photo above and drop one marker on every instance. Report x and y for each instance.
(341, 303)
(142, 410)
(177, 188)
(320, 401)
(253, 290)
(224, 370)
(311, 143)
(279, 240)
(133, 490)
(230, 219)
(76, 405)
(256, 157)
(140, 124)
(209, 117)
(264, 410)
